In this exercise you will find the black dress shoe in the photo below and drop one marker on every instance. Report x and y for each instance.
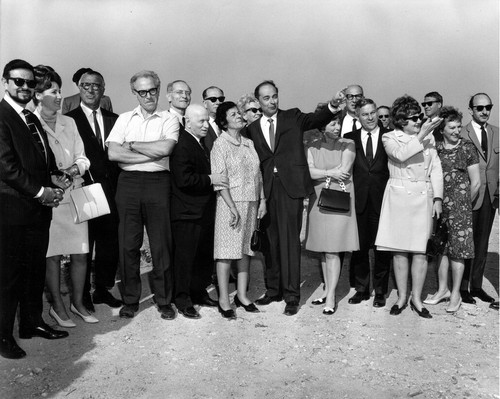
(379, 301)
(104, 296)
(319, 301)
(422, 313)
(467, 297)
(190, 312)
(167, 312)
(227, 314)
(494, 305)
(291, 308)
(358, 297)
(251, 308)
(266, 300)
(483, 296)
(42, 331)
(87, 302)
(128, 311)
(206, 301)
(9, 349)
(396, 310)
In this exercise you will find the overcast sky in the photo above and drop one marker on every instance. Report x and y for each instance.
(310, 48)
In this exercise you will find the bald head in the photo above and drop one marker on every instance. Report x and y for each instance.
(197, 120)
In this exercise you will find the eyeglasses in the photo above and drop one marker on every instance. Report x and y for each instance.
(254, 110)
(415, 118)
(181, 92)
(383, 116)
(19, 82)
(144, 93)
(477, 107)
(214, 99)
(354, 96)
(88, 86)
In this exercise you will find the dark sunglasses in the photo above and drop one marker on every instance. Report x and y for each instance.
(354, 96)
(144, 93)
(428, 103)
(383, 116)
(416, 118)
(214, 99)
(254, 110)
(477, 107)
(19, 82)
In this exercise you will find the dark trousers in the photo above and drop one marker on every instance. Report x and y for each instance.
(22, 274)
(482, 222)
(285, 222)
(360, 262)
(143, 200)
(193, 259)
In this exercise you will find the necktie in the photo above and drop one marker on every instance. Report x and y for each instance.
(353, 125)
(205, 149)
(369, 149)
(484, 141)
(183, 121)
(97, 129)
(271, 133)
(32, 120)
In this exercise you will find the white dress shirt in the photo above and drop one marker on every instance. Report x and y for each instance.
(364, 138)
(89, 113)
(347, 125)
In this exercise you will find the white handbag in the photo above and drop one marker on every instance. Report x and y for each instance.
(88, 202)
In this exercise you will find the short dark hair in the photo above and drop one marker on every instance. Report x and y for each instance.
(436, 95)
(220, 114)
(384, 106)
(264, 83)
(78, 74)
(17, 64)
(362, 102)
(471, 100)
(402, 108)
(91, 72)
(44, 76)
(204, 94)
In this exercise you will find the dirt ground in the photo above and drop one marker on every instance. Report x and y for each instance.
(360, 352)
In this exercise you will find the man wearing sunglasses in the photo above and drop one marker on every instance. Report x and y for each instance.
(141, 142)
(349, 121)
(485, 138)
(432, 104)
(26, 197)
(212, 98)
(384, 117)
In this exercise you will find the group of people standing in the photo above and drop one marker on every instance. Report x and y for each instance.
(199, 178)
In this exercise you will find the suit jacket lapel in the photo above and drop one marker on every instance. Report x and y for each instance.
(473, 137)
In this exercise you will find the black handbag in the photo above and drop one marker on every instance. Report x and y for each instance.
(439, 238)
(334, 200)
(257, 238)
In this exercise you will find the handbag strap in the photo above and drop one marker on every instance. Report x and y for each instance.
(342, 186)
(327, 182)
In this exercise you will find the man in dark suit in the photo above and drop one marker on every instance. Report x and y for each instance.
(193, 214)
(370, 175)
(278, 139)
(94, 125)
(485, 138)
(26, 200)
(212, 98)
(179, 98)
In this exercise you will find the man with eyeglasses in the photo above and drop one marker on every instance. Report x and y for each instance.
(432, 104)
(72, 102)
(212, 98)
(94, 124)
(349, 120)
(384, 117)
(141, 142)
(249, 108)
(179, 98)
(27, 195)
(485, 138)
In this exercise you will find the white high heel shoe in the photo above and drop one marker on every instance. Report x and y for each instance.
(63, 323)
(87, 319)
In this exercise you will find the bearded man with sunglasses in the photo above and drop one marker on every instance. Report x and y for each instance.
(485, 138)
(212, 98)
(26, 200)
(141, 142)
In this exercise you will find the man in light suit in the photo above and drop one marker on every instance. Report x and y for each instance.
(485, 138)
(179, 98)
(72, 102)
(212, 98)
(26, 200)
(94, 124)
(370, 175)
(278, 139)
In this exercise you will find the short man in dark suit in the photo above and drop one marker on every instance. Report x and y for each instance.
(212, 98)
(384, 117)
(349, 121)
(179, 98)
(370, 175)
(278, 139)
(94, 124)
(26, 200)
(193, 214)
(485, 138)
(432, 104)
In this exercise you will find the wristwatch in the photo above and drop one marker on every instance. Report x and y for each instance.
(130, 143)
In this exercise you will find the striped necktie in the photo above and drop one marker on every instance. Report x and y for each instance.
(31, 121)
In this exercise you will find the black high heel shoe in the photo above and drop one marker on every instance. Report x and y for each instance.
(422, 313)
(248, 308)
(227, 314)
(396, 310)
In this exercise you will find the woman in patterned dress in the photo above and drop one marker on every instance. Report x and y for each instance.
(460, 163)
(238, 207)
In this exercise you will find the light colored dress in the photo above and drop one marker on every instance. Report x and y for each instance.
(415, 179)
(67, 237)
(240, 163)
(331, 231)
